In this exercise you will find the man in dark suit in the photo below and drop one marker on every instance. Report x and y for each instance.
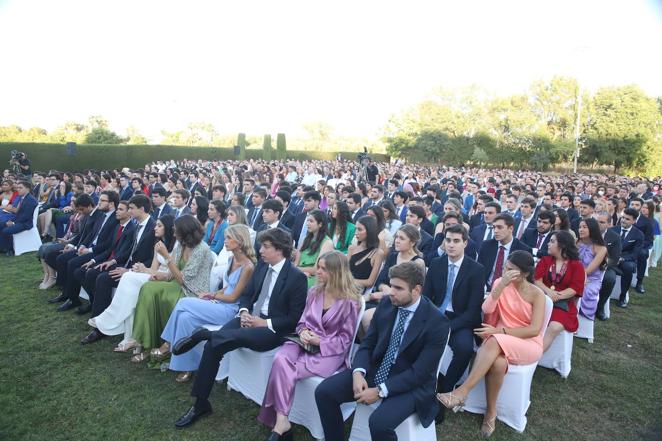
(613, 243)
(436, 250)
(249, 185)
(526, 220)
(125, 188)
(296, 200)
(397, 362)
(586, 210)
(23, 221)
(269, 309)
(254, 215)
(455, 286)
(400, 201)
(485, 231)
(478, 218)
(286, 218)
(354, 204)
(415, 217)
(101, 241)
(271, 211)
(631, 244)
(160, 203)
(194, 184)
(647, 227)
(311, 201)
(538, 239)
(179, 200)
(93, 233)
(566, 204)
(122, 237)
(494, 253)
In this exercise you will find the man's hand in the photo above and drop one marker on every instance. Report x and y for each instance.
(88, 264)
(117, 273)
(368, 396)
(251, 321)
(359, 384)
(105, 265)
(10, 223)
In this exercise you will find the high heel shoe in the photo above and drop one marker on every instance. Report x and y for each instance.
(184, 377)
(451, 401)
(287, 436)
(159, 355)
(488, 426)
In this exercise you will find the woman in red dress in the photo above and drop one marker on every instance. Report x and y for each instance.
(561, 276)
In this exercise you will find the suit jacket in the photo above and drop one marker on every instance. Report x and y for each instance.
(425, 243)
(287, 219)
(467, 298)
(296, 206)
(288, 297)
(632, 245)
(104, 233)
(530, 226)
(258, 220)
(25, 214)
(248, 201)
(184, 211)
(358, 215)
(427, 226)
(530, 237)
(421, 348)
(471, 250)
(298, 226)
(475, 221)
(264, 227)
(126, 193)
(403, 213)
(119, 246)
(477, 234)
(144, 250)
(488, 254)
(89, 229)
(167, 209)
(646, 226)
(613, 242)
(573, 214)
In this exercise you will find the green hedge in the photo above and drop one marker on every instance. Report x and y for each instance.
(46, 157)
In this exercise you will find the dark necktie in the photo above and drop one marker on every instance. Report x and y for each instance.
(540, 239)
(393, 345)
(264, 292)
(498, 266)
(623, 234)
(135, 242)
(117, 239)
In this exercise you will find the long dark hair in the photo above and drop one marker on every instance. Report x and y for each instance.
(168, 238)
(379, 216)
(566, 243)
(390, 213)
(203, 206)
(372, 235)
(563, 217)
(314, 241)
(594, 233)
(523, 260)
(340, 221)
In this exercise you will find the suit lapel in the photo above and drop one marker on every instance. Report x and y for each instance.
(415, 326)
(280, 281)
(382, 344)
(461, 274)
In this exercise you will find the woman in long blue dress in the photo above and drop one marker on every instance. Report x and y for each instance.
(592, 253)
(211, 308)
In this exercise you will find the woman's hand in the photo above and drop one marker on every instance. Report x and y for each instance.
(376, 295)
(160, 248)
(139, 268)
(509, 276)
(485, 331)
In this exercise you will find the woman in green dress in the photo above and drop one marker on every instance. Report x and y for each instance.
(189, 267)
(316, 242)
(341, 228)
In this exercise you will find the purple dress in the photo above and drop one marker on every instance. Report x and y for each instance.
(336, 330)
(589, 301)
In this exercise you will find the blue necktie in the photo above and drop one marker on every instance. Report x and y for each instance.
(449, 288)
(490, 233)
(393, 345)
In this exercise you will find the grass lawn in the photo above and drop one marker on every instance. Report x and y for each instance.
(52, 388)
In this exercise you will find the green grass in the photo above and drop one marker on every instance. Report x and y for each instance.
(52, 388)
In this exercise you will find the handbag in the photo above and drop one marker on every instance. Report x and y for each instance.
(313, 349)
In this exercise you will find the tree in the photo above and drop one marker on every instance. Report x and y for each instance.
(133, 137)
(70, 131)
(103, 136)
(97, 122)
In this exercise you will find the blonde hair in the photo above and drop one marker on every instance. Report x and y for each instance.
(340, 280)
(240, 233)
(240, 213)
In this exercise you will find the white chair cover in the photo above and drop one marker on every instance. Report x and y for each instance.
(249, 372)
(559, 354)
(585, 329)
(514, 397)
(28, 240)
(304, 408)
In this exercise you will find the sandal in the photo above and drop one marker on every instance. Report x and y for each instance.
(451, 401)
(160, 354)
(184, 377)
(488, 426)
(139, 357)
(125, 346)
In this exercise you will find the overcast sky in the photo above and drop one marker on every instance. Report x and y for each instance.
(270, 66)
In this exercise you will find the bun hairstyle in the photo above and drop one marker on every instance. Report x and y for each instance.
(523, 260)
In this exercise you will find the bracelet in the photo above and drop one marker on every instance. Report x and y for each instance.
(504, 330)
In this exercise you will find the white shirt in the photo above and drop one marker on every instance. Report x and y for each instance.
(506, 252)
(523, 225)
(457, 266)
(265, 306)
(141, 230)
(274, 225)
(488, 228)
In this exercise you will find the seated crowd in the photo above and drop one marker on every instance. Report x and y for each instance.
(279, 257)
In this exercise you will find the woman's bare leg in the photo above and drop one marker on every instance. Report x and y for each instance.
(552, 331)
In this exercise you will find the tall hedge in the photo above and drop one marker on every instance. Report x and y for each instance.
(241, 142)
(46, 157)
(281, 147)
(266, 148)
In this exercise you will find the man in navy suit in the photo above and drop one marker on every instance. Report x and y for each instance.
(485, 231)
(354, 204)
(269, 309)
(286, 218)
(586, 210)
(538, 239)
(179, 200)
(400, 202)
(415, 217)
(512, 207)
(161, 207)
(455, 285)
(311, 201)
(272, 210)
(647, 227)
(436, 250)
(397, 362)
(494, 253)
(631, 244)
(566, 204)
(125, 188)
(249, 184)
(296, 201)
(526, 220)
(613, 243)
(254, 215)
(23, 221)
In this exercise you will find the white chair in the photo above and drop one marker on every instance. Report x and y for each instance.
(304, 409)
(249, 372)
(514, 397)
(559, 354)
(446, 361)
(224, 365)
(28, 240)
(585, 329)
(410, 429)
(607, 308)
(616, 292)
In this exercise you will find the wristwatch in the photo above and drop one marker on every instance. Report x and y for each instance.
(382, 392)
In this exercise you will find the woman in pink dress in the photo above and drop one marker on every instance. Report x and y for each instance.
(512, 333)
(328, 322)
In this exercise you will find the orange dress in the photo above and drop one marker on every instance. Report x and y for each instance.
(512, 311)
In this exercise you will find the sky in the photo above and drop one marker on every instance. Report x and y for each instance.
(272, 66)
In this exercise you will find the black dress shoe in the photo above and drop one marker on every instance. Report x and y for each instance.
(640, 288)
(622, 305)
(58, 299)
(10, 253)
(187, 343)
(287, 436)
(84, 309)
(66, 306)
(192, 415)
(92, 337)
(601, 316)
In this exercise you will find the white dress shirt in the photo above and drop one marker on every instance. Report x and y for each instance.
(457, 264)
(506, 252)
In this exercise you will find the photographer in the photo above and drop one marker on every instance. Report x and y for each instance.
(20, 163)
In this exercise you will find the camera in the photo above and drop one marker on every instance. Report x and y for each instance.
(16, 155)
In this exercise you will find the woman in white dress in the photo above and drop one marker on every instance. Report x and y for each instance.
(392, 221)
(118, 317)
